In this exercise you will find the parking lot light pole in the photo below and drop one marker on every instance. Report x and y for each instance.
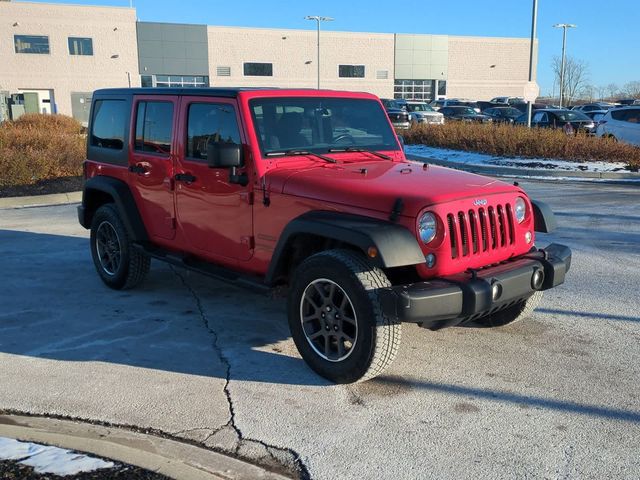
(564, 27)
(318, 19)
(534, 20)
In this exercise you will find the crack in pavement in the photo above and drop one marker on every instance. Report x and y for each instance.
(295, 460)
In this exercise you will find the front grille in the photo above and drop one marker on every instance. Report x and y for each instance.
(399, 117)
(476, 231)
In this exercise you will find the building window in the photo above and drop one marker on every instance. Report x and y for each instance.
(153, 127)
(351, 71)
(382, 74)
(414, 89)
(80, 46)
(258, 69)
(442, 88)
(223, 71)
(210, 123)
(109, 123)
(31, 44)
(179, 81)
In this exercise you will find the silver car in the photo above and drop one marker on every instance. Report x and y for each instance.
(422, 112)
(621, 124)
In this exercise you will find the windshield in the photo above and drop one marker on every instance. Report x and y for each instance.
(317, 124)
(571, 116)
(511, 112)
(419, 107)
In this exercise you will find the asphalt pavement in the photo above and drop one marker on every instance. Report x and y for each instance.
(556, 396)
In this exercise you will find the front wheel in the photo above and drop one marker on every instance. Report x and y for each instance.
(336, 320)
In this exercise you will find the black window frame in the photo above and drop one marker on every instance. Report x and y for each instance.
(139, 151)
(187, 156)
(82, 39)
(266, 65)
(342, 67)
(26, 52)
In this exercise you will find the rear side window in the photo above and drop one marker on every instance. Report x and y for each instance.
(154, 122)
(210, 123)
(109, 124)
(629, 115)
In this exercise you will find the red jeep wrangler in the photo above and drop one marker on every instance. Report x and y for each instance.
(309, 190)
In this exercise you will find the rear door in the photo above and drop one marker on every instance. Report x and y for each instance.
(214, 215)
(151, 162)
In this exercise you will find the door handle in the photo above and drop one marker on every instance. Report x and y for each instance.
(138, 168)
(184, 177)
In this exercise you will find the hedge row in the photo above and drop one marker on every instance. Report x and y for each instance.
(38, 147)
(520, 141)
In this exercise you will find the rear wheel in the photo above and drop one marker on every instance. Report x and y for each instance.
(515, 313)
(336, 320)
(118, 264)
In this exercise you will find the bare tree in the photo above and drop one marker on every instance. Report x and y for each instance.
(602, 92)
(612, 89)
(588, 93)
(576, 76)
(632, 89)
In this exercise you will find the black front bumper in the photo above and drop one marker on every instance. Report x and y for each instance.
(448, 301)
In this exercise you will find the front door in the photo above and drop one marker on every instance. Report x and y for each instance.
(152, 155)
(214, 215)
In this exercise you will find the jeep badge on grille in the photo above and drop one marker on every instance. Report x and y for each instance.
(479, 202)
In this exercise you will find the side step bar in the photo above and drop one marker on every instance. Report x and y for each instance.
(250, 282)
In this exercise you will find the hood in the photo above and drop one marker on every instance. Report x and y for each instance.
(376, 185)
(427, 114)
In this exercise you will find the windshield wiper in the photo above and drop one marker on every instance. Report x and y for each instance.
(354, 149)
(295, 153)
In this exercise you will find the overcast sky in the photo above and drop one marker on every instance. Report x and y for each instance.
(606, 37)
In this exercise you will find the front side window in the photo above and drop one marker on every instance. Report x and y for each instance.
(351, 71)
(80, 46)
(253, 69)
(109, 124)
(319, 124)
(38, 44)
(209, 123)
(153, 127)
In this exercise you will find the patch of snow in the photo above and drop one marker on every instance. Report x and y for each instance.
(474, 158)
(45, 459)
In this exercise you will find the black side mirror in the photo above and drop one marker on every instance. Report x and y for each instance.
(222, 155)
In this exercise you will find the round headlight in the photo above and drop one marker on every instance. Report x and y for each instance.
(427, 227)
(521, 209)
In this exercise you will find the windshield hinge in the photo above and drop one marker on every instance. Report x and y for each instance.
(398, 206)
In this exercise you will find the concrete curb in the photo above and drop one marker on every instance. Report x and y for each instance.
(169, 457)
(529, 172)
(40, 200)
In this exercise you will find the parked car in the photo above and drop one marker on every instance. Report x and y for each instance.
(534, 106)
(421, 112)
(628, 101)
(503, 114)
(596, 115)
(507, 100)
(465, 114)
(454, 102)
(570, 120)
(621, 124)
(593, 107)
(398, 116)
(308, 192)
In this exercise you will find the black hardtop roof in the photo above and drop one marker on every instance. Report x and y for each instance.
(231, 92)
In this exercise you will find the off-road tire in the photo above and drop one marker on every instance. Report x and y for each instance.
(378, 337)
(515, 313)
(133, 265)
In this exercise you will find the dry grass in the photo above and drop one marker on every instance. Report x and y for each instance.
(520, 141)
(39, 147)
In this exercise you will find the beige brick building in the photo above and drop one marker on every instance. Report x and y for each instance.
(53, 56)
(61, 70)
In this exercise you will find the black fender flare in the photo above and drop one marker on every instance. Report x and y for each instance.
(544, 220)
(395, 245)
(97, 187)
